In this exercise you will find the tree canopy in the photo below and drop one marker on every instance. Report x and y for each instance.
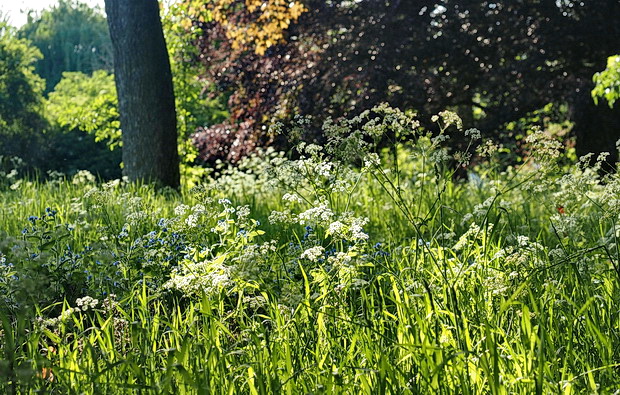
(72, 37)
(21, 121)
(87, 103)
(493, 61)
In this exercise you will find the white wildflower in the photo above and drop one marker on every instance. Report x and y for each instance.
(324, 169)
(83, 177)
(181, 209)
(341, 259)
(357, 231)
(371, 160)
(192, 220)
(319, 214)
(292, 197)
(313, 254)
(473, 133)
(336, 228)
(523, 241)
(86, 303)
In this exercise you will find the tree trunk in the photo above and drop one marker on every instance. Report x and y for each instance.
(597, 127)
(145, 92)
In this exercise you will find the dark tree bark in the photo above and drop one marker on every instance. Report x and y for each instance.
(597, 128)
(145, 92)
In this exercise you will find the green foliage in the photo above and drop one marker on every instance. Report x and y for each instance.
(311, 275)
(87, 103)
(83, 112)
(21, 123)
(20, 87)
(608, 82)
(196, 105)
(72, 37)
(79, 106)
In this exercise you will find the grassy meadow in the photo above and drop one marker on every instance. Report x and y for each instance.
(344, 268)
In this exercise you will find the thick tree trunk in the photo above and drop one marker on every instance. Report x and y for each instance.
(145, 92)
(597, 127)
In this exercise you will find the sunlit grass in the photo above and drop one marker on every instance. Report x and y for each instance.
(503, 283)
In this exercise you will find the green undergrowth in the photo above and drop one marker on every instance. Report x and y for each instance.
(350, 269)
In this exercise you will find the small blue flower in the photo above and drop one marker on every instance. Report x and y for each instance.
(33, 219)
(309, 231)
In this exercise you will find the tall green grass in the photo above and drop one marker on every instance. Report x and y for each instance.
(505, 282)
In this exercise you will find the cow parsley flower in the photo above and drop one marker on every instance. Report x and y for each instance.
(191, 221)
(313, 254)
(181, 209)
(292, 197)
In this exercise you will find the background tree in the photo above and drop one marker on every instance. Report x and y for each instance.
(236, 41)
(494, 62)
(608, 82)
(197, 104)
(21, 122)
(72, 37)
(87, 103)
(145, 91)
(83, 111)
